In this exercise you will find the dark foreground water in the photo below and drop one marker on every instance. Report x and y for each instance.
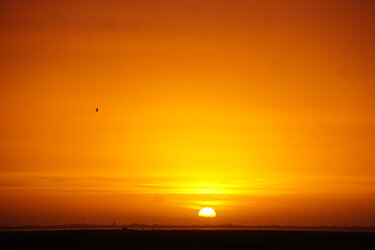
(189, 239)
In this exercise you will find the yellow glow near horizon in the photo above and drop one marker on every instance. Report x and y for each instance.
(207, 212)
(263, 110)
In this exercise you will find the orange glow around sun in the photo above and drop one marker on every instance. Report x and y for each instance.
(263, 110)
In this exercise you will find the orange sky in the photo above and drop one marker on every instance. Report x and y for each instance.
(262, 110)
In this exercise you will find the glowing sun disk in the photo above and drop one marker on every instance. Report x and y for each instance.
(207, 212)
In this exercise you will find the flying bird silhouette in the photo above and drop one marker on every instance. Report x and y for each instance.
(97, 109)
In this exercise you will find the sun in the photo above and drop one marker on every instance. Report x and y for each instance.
(207, 212)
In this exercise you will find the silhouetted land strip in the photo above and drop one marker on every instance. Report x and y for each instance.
(84, 226)
(186, 239)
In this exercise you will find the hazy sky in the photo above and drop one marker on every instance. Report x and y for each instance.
(262, 110)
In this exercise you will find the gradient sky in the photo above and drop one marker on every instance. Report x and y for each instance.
(262, 110)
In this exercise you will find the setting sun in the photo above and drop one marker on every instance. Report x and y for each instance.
(207, 212)
(146, 112)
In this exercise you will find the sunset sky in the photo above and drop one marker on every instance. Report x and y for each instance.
(261, 110)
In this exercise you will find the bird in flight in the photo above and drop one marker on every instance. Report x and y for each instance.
(97, 109)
